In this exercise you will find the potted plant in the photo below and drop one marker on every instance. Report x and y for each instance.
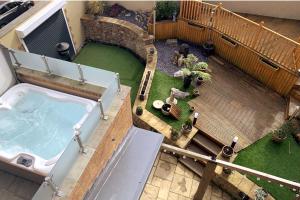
(187, 126)
(139, 110)
(192, 109)
(196, 92)
(208, 48)
(227, 151)
(227, 171)
(165, 109)
(174, 134)
(278, 136)
(194, 69)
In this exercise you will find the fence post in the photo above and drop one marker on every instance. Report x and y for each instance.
(81, 74)
(47, 65)
(16, 64)
(297, 56)
(208, 175)
(255, 41)
(78, 139)
(49, 182)
(105, 117)
(119, 82)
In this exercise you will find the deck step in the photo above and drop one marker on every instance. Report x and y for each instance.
(196, 167)
(194, 148)
(207, 144)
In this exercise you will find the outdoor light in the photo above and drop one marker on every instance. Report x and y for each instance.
(234, 141)
(195, 118)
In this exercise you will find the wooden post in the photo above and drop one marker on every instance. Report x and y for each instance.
(208, 175)
(255, 40)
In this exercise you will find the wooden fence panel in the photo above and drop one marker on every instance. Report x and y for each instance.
(251, 34)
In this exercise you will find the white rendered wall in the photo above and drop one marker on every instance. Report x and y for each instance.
(6, 76)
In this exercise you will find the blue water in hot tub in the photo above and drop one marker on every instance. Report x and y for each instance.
(38, 124)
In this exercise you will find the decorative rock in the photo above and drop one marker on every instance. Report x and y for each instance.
(171, 42)
(179, 94)
(178, 74)
(180, 61)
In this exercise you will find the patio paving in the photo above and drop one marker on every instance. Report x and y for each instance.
(170, 180)
(16, 188)
(235, 104)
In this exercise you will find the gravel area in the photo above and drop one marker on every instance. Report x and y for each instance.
(138, 18)
(166, 53)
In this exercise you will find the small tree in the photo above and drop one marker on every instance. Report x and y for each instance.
(195, 68)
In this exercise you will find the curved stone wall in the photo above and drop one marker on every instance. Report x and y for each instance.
(117, 32)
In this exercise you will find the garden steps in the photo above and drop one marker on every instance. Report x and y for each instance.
(194, 148)
(195, 167)
(205, 143)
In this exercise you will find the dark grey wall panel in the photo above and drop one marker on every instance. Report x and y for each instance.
(45, 37)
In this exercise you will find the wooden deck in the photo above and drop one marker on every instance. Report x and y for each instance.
(235, 104)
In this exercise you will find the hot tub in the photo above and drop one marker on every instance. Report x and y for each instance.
(37, 124)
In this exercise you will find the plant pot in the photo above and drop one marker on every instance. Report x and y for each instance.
(208, 48)
(139, 111)
(277, 139)
(227, 151)
(165, 109)
(187, 82)
(142, 97)
(196, 93)
(192, 109)
(227, 171)
(199, 81)
(186, 129)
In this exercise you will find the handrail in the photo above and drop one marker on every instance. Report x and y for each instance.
(284, 182)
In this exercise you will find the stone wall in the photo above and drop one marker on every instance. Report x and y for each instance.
(117, 32)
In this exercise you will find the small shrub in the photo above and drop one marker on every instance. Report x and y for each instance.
(260, 194)
(188, 123)
(174, 134)
(166, 9)
(139, 110)
(95, 8)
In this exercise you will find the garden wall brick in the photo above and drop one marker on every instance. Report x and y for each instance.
(117, 32)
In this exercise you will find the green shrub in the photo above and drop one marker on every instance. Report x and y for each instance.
(166, 9)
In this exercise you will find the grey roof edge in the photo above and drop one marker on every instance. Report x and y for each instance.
(109, 175)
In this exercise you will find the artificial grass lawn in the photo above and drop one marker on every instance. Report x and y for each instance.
(114, 59)
(272, 158)
(160, 90)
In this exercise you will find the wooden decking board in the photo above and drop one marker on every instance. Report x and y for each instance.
(235, 104)
(196, 167)
(207, 144)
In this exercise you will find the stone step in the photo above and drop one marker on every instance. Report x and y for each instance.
(194, 148)
(196, 167)
(208, 145)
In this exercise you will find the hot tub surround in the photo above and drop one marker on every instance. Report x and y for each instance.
(31, 107)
